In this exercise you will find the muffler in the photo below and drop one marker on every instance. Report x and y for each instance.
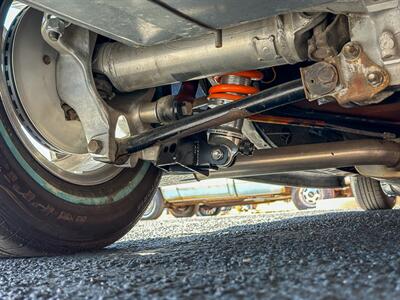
(312, 157)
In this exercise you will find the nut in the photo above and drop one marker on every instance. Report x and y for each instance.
(95, 146)
(217, 154)
(375, 78)
(55, 28)
(351, 51)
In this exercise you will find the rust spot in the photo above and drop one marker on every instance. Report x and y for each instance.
(356, 83)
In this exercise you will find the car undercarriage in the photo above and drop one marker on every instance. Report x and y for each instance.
(100, 97)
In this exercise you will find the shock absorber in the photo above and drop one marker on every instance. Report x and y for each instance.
(227, 138)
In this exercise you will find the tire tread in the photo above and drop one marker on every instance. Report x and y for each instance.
(369, 194)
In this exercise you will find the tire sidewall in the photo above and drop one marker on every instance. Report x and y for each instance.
(32, 199)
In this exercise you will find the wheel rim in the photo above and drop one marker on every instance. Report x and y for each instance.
(208, 211)
(389, 193)
(150, 209)
(310, 196)
(183, 209)
(48, 148)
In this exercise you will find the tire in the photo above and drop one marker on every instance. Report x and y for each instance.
(42, 214)
(183, 211)
(207, 211)
(369, 194)
(38, 215)
(300, 200)
(155, 208)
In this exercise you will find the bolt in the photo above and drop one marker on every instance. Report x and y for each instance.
(375, 78)
(217, 154)
(55, 28)
(246, 148)
(95, 146)
(386, 40)
(327, 74)
(46, 59)
(387, 44)
(351, 51)
(186, 108)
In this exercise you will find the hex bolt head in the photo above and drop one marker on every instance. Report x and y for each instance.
(327, 74)
(386, 40)
(387, 44)
(95, 146)
(55, 28)
(186, 108)
(351, 51)
(246, 148)
(217, 154)
(375, 78)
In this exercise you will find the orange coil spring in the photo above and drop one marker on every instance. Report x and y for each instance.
(232, 91)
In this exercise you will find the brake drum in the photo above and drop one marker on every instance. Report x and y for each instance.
(33, 65)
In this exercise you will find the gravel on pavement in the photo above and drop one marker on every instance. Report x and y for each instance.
(302, 255)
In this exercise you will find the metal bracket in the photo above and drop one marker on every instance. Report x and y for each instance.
(350, 77)
(75, 84)
(76, 87)
(185, 156)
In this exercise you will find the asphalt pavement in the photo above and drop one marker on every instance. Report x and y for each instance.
(311, 255)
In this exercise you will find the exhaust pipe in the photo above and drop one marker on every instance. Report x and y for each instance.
(312, 157)
(270, 42)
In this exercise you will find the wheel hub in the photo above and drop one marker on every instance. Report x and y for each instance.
(311, 195)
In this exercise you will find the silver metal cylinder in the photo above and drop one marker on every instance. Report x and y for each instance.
(311, 157)
(255, 45)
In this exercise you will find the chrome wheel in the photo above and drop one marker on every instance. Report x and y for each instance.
(310, 195)
(207, 211)
(150, 209)
(34, 107)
